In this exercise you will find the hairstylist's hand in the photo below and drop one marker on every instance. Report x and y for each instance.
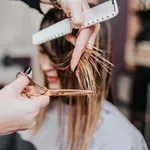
(17, 112)
(74, 9)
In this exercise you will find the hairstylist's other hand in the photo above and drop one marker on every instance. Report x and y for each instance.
(75, 9)
(17, 112)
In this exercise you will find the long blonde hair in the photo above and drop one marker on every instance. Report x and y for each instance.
(91, 74)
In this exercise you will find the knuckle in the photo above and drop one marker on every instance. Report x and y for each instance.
(23, 126)
(32, 125)
(78, 21)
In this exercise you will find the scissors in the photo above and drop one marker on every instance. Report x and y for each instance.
(39, 90)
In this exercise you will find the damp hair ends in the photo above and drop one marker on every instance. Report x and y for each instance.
(93, 69)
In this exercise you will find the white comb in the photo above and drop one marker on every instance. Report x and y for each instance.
(97, 14)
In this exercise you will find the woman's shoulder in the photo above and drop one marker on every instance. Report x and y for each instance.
(114, 129)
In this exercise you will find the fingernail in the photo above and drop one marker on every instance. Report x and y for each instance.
(75, 31)
(74, 64)
(75, 69)
(27, 70)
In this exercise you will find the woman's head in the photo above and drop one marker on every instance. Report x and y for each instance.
(91, 74)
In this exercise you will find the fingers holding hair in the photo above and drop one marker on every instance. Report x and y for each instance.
(81, 43)
(82, 40)
(86, 38)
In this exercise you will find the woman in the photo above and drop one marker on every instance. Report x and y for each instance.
(77, 123)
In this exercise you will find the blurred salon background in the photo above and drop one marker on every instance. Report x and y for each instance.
(130, 87)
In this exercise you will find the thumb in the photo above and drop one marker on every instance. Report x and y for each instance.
(76, 14)
(21, 82)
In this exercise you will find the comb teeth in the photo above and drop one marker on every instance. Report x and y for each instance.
(100, 13)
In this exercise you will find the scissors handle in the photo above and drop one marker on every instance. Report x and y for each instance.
(42, 90)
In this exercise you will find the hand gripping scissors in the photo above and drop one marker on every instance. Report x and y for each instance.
(39, 90)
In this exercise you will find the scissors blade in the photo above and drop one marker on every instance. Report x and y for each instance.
(68, 92)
